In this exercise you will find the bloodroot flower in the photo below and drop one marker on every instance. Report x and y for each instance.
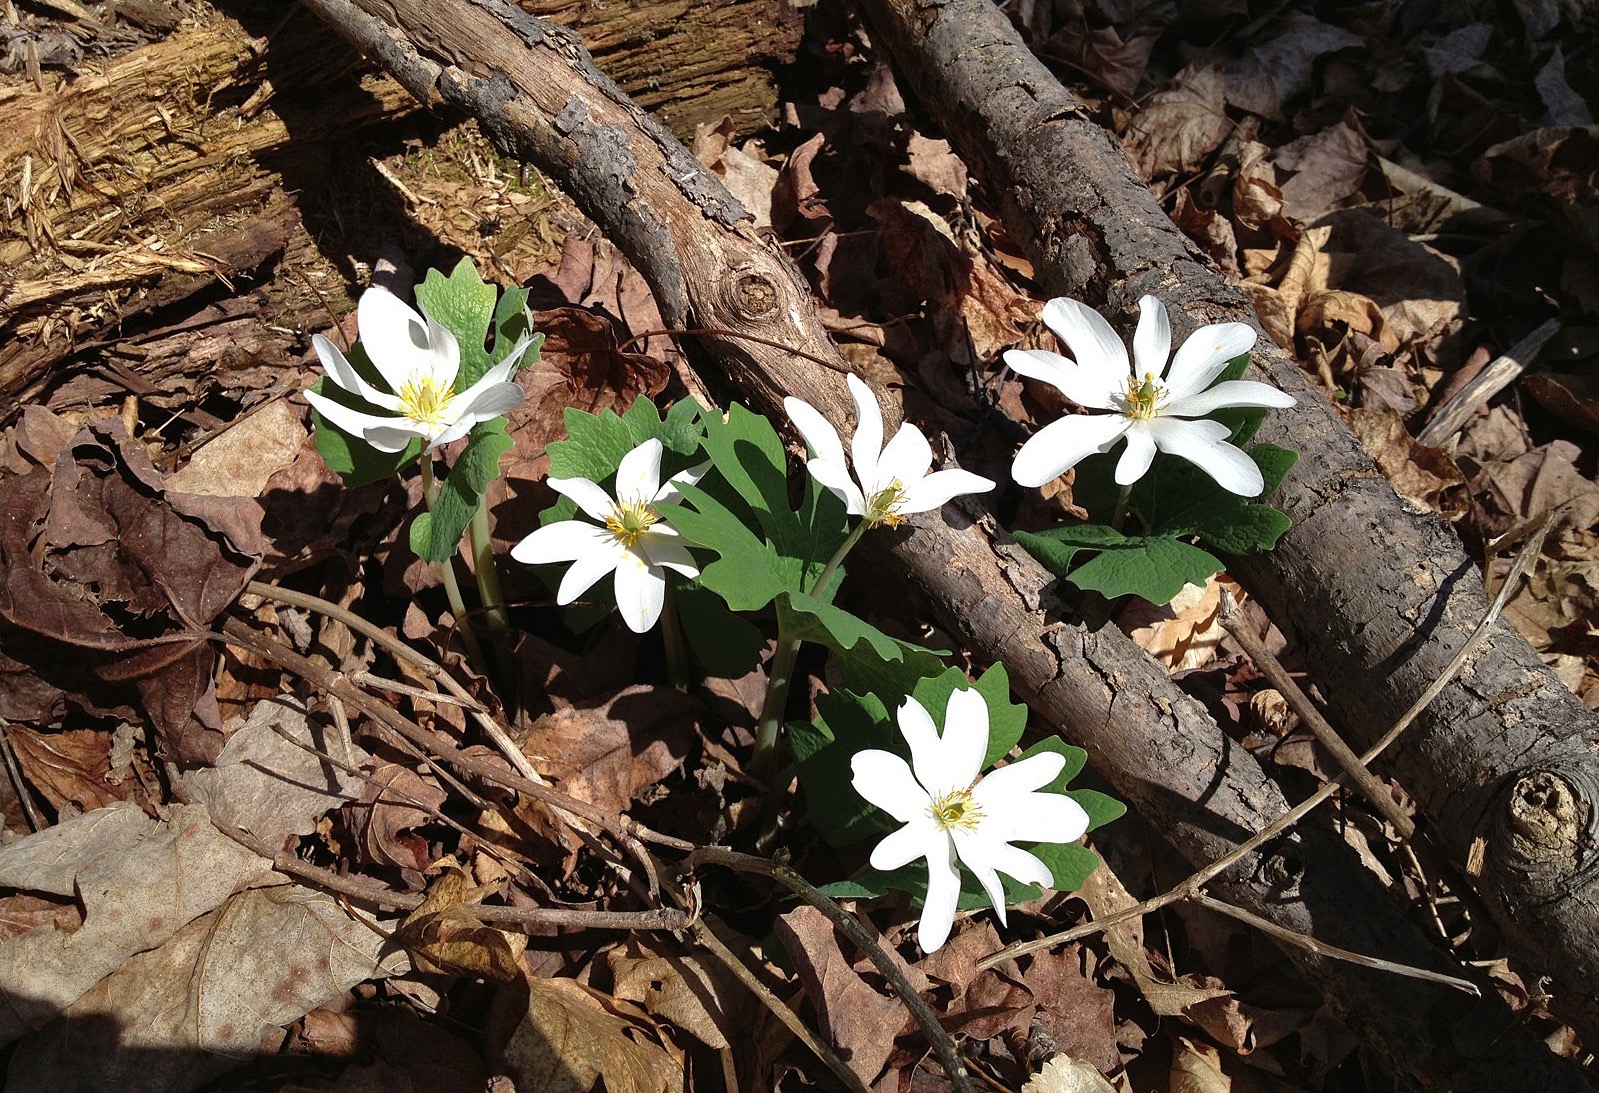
(419, 360)
(633, 538)
(1150, 404)
(893, 481)
(952, 811)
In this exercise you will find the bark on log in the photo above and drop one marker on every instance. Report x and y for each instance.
(533, 87)
(122, 185)
(1378, 596)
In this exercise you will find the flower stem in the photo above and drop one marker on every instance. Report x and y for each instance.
(452, 589)
(672, 636)
(779, 678)
(488, 574)
(1118, 516)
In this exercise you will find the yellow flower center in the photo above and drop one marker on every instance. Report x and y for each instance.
(1143, 401)
(629, 520)
(956, 809)
(880, 507)
(426, 399)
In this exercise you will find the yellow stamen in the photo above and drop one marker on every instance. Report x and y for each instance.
(1143, 401)
(426, 399)
(956, 809)
(629, 520)
(881, 506)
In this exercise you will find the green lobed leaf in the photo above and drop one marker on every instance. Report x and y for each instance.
(749, 572)
(862, 721)
(865, 654)
(463, 305)
(1155, 567)
(595, 444)
(726, 645)
(436, 534)
(1006, 720)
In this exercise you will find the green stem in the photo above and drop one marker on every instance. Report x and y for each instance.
(488, 574)
(452, 588)
(672, 635)
(1119, 515)
(780, 677)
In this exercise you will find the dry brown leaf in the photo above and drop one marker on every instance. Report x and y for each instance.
(1183, 634)
(933, 163)
(1328, 168)
(1424, 477)
(443, 936)
(1181, 125)
(1269, 74)
(1196, 1068)
(239, 462)
(381, 821)
(1562, 161)
(747, 176)
(1508, 494)
(569, 1037)
(1100, 54)
(1063, 1074)
(697, 995)
(68, 768)
(851, 1014)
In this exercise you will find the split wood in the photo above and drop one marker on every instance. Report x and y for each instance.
(1193, 889)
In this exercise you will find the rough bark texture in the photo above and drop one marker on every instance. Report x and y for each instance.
(148, 181)
(1378, 596)
(534, 88)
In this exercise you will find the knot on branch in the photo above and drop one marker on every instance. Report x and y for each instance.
(753, 296)
(1543, 829)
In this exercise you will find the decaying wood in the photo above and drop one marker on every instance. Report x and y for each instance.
(545, 100)
(1378, 596)
(120, 189)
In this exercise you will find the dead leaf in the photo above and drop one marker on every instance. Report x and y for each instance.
(933, 163)
(746, 175)
(569, 1037)
(445, 937)
(1327, 168)
(697, 995)
(1508, 494)
(1423, 476)
(1270, 74)
(1183, 634)
(1063, 1074)
(239, 462)
(853, 1016)
(1100, 54)
(1570, 396)
(204, 998)
(381, 822)
(1561, 161)
(1196, 1068)
(67, 768)
(1181, 125)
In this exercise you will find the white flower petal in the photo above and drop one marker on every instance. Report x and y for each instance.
(663, 547)
(1204, 356)
(965, 741)
(438, 436)
(867, 443)
(943, 898)
(638, 476)
(906, 458)
(920, 838)
(1036, 818)
(916, 726)
(936, 489)
(1092, 341)
(1093, 390)
(343, 373)
(1018, 778)
(562, 541)
(1230, 393)
(640, 592)
(587, 569)
(491, 401)
(1203, 444)
(391, 438)
(1152, 341)
(817, 432)
(836, 477)
(359, 424)
(1137, 456)
(396, 339)
(1060, 445)
(1014, 862)
(669, 494)
(593, 500)
(885, 780)
(978, 854)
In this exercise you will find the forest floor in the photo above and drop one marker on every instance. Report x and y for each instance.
(1409, 193)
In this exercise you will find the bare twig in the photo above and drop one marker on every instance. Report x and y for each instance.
(943, 1046)
(1369, 785)
(1448, 419)
(1194, 885)
(29, 810)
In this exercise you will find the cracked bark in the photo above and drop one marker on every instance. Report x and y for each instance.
(1378, 597)
(533, 88)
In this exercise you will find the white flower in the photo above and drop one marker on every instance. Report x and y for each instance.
(418, 360)
(950, 811)
(1151, 405)
(635, 541)
(893, 480)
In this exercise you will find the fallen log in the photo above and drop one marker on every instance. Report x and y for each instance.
(119, 183)
(1504, 765)
(534, 89)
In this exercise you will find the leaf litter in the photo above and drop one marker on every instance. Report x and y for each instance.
(1402, 197)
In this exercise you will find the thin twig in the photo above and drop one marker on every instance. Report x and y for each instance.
(943, 1046)
(1369, 785)
(1321, 948)
(1449, 418)
(35, 820)
(1191, 887)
